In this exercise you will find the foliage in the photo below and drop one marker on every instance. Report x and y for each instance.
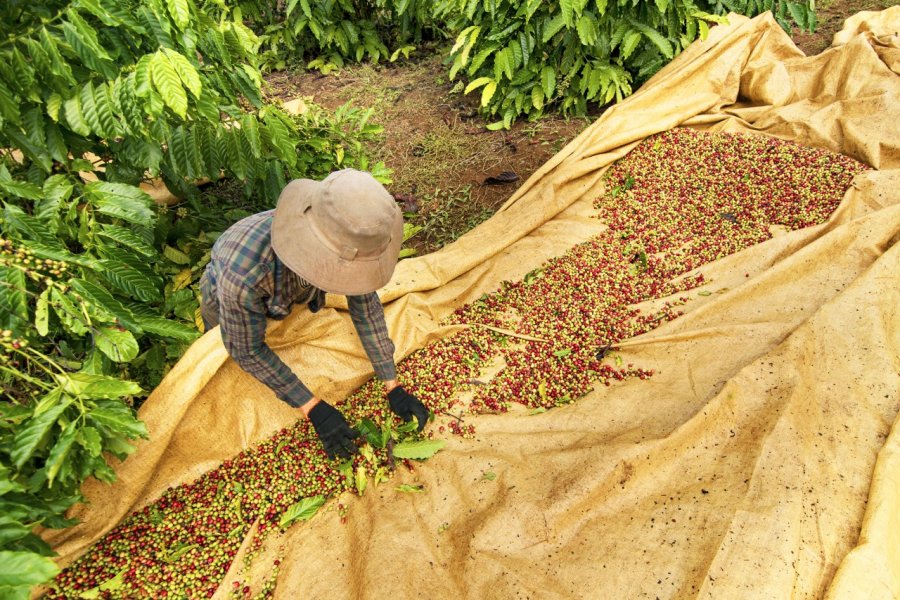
(98, 285)
(525, 56)
(327, 34)
(50, 443)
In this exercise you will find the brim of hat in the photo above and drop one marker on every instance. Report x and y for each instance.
(300, 249)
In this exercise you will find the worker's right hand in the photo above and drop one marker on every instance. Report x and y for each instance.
(331, 426)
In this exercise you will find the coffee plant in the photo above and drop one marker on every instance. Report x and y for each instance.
(98, 284)
(325, 35)
(526, 55)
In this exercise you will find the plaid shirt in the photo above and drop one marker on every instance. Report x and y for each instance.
(244, 283)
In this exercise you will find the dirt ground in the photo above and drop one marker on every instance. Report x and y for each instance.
(443, 159)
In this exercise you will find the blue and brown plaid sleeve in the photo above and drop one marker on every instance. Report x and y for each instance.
(367, 315)
(242, 318)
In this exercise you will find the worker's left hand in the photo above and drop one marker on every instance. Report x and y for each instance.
(405, 406)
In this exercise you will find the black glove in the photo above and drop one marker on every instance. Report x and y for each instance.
(405, 406)
(336, 435)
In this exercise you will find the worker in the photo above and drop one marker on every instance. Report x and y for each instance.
(341, 235)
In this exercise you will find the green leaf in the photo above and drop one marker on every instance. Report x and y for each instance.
(25, 569)
(142, 76)
(118, 344)
(418, 450)
(176, 256)
(477, 83)
(57, 188)
(587, 28)
(11, 530)
(250, 130)
(13, 299)
(488, 92)
(128, 274)
(30, 436)
(75, 117)
(42, 313)
(87, 385)
(301, 511)
(186, 72)
(410, 489)
(552, 27)
(374, 434)
(83, 40)
(102, 298)
(70, 315)
(21, 189)
(704, 30)
(127, 238)
(86, 97)
(60, 451)
(503, 64)
(90, 440)
(548, 81)
(180, 12)
(629, 43)
(282, 139)
(178, 552)
(537, 97)
(168, 83)
(121, 200)
(168, 328)
(665, 47)
(562, 353)
(110, 585)
(106, 111)
(118, 418)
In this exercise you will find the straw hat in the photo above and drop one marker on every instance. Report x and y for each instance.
(341, 234)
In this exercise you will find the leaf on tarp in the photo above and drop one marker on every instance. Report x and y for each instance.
(502, 178)
(375, 435)
(489, 476)
(368, 454)
(361, 480)
(381, 475)
(562, 353)
(704, 293)
(410, 489)
(418, 450)
(179, 551)
(542, 391)
(110, 585)
(304, 510)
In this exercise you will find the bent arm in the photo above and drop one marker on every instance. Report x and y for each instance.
(367, 315)
(243, 325)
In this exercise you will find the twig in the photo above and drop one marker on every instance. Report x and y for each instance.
(444, 412)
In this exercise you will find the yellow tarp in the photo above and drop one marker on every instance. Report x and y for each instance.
(762, 460)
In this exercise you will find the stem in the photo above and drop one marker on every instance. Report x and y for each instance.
(26, 377)
(449, 414)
